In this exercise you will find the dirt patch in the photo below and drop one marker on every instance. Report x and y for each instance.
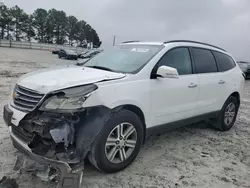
(7, 73)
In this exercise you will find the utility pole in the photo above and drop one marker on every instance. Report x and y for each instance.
(114, 40)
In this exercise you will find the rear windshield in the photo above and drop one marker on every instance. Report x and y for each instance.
(125, 58)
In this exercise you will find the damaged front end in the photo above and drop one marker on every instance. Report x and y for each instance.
(63, 137)
(50, 129)
(59, 132)
(61, 141)
(50, 135)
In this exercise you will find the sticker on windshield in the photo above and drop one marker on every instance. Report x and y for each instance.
(139, 50)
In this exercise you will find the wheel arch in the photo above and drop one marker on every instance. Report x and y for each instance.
(236, 95)
(135, 109)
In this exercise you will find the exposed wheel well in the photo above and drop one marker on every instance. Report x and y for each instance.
(237, 96)
(140, 114)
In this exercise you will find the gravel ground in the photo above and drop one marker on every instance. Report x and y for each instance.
(194, 156)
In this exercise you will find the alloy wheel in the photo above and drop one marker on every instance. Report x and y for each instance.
(121, 143)
(229, 113)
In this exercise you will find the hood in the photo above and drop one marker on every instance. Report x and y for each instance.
(52, 79)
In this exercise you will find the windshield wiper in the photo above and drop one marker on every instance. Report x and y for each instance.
(101, 68)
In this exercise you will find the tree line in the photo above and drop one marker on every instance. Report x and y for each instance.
(52, 26)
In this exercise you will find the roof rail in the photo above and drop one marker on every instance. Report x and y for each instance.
(130, 41)
(195, 42)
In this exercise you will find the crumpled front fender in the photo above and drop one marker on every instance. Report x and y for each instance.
(90, 128)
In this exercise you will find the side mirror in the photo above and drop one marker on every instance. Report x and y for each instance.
(167, 72)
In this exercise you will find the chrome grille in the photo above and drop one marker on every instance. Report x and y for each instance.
(26, 99)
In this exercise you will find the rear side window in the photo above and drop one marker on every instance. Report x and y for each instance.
(224, 61)
(204, 61)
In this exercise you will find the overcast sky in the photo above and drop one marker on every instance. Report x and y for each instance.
(225, 23)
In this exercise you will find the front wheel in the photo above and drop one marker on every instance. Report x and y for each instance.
(228, 115)
(118, 143)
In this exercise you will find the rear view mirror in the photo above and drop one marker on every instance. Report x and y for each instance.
(167, 72)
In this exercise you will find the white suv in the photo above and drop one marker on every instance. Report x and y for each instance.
(104, 108)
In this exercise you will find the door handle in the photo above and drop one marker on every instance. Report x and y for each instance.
(222, 82)
(192, 85)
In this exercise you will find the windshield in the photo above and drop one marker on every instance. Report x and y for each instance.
(124, 58)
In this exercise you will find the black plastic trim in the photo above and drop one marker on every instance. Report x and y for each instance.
(177, 124)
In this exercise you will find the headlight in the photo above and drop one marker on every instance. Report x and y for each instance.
(69, 99)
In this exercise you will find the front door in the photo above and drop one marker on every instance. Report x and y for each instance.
(174, 99)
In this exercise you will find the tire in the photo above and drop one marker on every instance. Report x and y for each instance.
(59, 56)
(220, 122)
(99, 152)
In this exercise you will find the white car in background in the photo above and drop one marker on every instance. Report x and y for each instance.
(105, 108)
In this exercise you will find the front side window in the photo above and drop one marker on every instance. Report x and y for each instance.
(124, 58)
(204, 61)
(178, 58)
(224, 61)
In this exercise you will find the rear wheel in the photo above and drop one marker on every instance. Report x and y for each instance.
(227, 116)
(118, 143)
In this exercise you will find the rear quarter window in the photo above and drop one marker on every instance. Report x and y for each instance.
(224, 61)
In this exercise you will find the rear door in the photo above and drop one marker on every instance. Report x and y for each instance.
(206, 69)
(227, 80)
(174, 99)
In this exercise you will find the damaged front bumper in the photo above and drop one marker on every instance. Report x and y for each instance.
(67, 176)
(59, 140)
(49, 135)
